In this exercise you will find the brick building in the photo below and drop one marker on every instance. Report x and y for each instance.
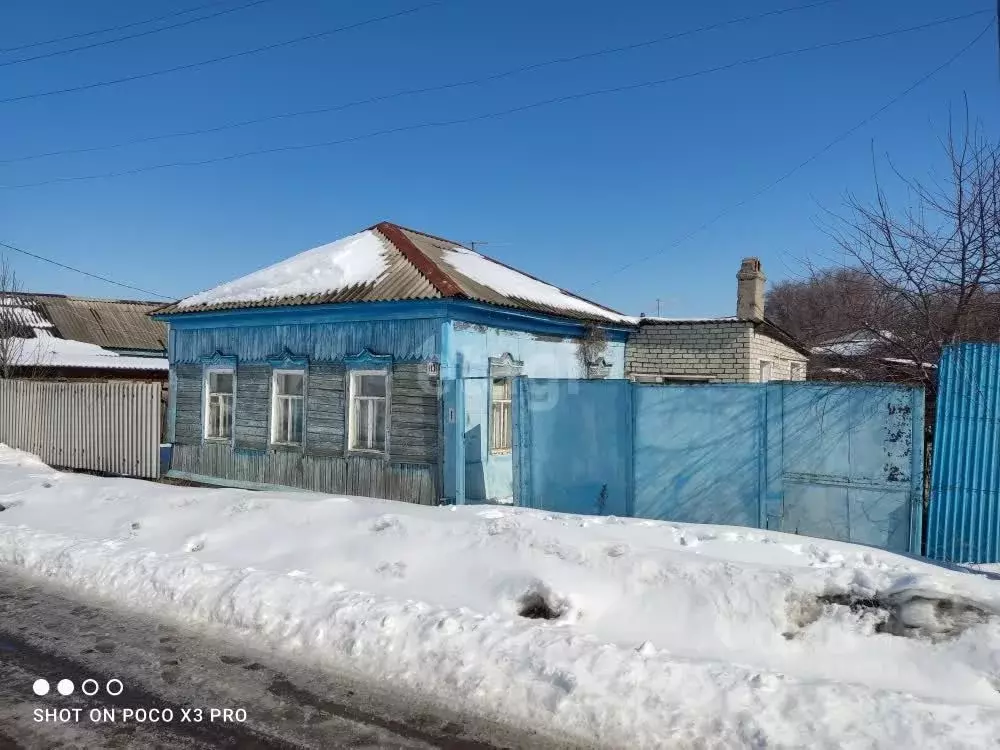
(746, 348)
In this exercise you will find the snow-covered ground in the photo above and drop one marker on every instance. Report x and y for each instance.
(668, 635)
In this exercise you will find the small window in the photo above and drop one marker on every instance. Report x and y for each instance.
(219, 388)
(367, 419)
(798, 371)
(766, 367)
(287, 407)
(500, 421)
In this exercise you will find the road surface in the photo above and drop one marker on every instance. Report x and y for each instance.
(215, 691)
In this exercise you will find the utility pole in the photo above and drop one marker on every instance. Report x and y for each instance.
(657, 307)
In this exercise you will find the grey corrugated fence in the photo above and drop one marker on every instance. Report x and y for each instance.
(112, 426)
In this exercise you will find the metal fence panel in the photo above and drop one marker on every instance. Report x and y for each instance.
(111, 427)
(841, 461)
(698, 454)
(573, 445)
(964, 516)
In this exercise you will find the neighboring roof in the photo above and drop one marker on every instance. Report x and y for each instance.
(109, 323)
(766, 327)
(49, 351)
(657, 320)
(854, 344)
(388, 262)
(20, 312)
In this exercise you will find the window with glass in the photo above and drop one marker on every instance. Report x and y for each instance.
(369, 409)
(766, 370)
(500, 418)
(797, 371)
(219, 391)
(287, 405)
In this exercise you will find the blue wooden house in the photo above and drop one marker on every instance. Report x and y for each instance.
(377, 365)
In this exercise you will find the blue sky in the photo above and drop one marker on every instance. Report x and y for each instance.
(570, 192)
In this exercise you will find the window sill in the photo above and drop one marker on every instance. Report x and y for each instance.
(362, 453)
(289, 447)
(501, 452)
(220, 440)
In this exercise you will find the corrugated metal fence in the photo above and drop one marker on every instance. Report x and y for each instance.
(102, 426)
(841, 461)
(963, 522)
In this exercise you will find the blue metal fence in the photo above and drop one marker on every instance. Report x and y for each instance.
(964, 516)
(831, 460)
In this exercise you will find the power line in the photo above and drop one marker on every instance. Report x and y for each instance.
(495, 114)
(148, 32)
(427, 89)
(114, 28)
(36, 256)
(774, 183)
(222, 58)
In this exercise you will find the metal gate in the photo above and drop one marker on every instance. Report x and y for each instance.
(831, 460)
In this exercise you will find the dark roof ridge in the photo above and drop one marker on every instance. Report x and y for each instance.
(499, 263)
(430, 270)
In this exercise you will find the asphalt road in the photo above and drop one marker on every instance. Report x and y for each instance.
(192, 677)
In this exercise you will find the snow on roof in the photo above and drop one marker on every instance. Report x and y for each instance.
(48, 351)
(351, 261)
(24, 316)
(509, 282)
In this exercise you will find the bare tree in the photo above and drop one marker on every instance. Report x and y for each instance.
(18, 319)
(924, 275)
(11, 326)
(817, 308)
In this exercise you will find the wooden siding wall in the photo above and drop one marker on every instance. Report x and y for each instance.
(252, 410)
(410, 340)
(326, 422)
(187, 403)
(414, 414)
(370, 477)
(324, 463)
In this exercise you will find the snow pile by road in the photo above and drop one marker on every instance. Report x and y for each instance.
(662, 634)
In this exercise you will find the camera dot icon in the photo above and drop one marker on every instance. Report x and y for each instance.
(65, 687)
(41, 687)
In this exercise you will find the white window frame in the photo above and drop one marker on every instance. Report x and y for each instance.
(275, 397)
(502, 449)
(352, 379)
(767, 366)
(207, 399)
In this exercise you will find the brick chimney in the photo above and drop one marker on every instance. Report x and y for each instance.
(750, 291)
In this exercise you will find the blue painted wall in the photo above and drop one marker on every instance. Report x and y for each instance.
(828, 460)
(404, 340)
(461, 335)
(490, 477)
(963, 522)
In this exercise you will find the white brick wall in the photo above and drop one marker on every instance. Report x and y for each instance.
(726, 351)
(763, 348)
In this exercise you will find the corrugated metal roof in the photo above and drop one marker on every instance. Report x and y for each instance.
(435, 248)
(112, 324)
(416, 269)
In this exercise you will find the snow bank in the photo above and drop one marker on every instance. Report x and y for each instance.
(667, 634)
(358, 259)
